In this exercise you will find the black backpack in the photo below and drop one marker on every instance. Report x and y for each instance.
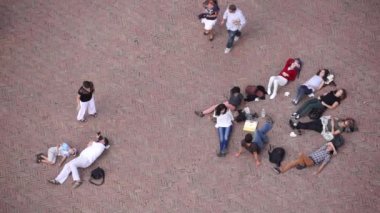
(276, 155)
(97, 174)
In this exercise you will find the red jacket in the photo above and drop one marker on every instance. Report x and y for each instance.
(292, 73)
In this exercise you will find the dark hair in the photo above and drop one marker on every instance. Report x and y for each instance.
(331, 152)
(105, 141)
(324, 77)
(87, 84)
(344, 94)
(351, 125)
(248, 138)
(234, 90)
(219, 109)
(232, 7)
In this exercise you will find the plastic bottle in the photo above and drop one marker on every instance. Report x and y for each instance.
(263, 112)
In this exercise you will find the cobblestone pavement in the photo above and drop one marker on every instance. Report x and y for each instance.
(152, 67)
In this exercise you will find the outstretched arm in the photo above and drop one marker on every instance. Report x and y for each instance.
(239, 152)
(256, 156)
(320, 168)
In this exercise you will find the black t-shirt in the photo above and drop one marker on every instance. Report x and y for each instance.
(212, 11)
(330, 98)
(250, 147)
(84, 94)
(236, 99)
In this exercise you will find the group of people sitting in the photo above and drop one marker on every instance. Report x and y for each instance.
(329, 127)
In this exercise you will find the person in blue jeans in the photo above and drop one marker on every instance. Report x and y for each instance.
(255, 144)
(223, 125)
(235, 21)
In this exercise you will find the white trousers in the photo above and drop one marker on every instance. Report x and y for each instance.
(275, 81)
(84, 106)
(72, 167)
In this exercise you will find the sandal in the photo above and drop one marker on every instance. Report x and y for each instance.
(82, 121)
(39, 158)
(211, 38)
(53, 181)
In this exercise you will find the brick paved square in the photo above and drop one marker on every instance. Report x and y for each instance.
(152, 67)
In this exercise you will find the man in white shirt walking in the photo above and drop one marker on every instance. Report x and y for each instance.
(235, 21)
(85, 159)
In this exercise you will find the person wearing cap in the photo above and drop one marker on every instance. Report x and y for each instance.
(256, 144)
(62, 150)
(88, 156)
(320, 157)
(235, 21)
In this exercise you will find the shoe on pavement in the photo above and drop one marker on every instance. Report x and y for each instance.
(76, 184)
(227, 50)
(277, 170)
(53, 181)
(199, 113)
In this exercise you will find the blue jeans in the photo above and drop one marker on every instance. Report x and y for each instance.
(261, 137)
(231, 37)
(224, 136)
(301, 92)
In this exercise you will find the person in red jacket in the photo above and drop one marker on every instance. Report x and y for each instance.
(288, 73)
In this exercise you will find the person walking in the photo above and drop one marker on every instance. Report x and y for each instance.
(235, 21)
(86, 101)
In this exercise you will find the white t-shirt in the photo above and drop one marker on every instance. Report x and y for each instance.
(314, 82)
(224, 120)
(233, 19)
(93, 152)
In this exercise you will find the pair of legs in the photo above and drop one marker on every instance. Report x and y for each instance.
(232, 37)
(84, 106)
(302, 91)
(224, 135)
(275, 81)
(52, 156)
(209, 24)
(261, 137)
(72, 167)
(302, 160)
(315, 125)
(308, 106)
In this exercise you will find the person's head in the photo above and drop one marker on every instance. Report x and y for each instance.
(331, 149)
(341, 94)
(235, 90)
(210, 4)
(297, 63)
(323, 73)
(87, 84)
(99, 136)
(220, 109)
(232, 8)
(104, 141)
(248, 138)
(73, 151)
(349, 125)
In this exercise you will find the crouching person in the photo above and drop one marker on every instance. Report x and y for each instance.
(85, 159)
(321, 156)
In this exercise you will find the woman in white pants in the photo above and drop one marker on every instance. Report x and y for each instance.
(86, 101)
(85, 159)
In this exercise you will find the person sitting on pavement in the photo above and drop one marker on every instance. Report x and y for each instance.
(256, 144)
(62, 150)
(320, 157)
(85, 159)
(232, 104)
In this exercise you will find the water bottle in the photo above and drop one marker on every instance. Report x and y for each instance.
(263, 112)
